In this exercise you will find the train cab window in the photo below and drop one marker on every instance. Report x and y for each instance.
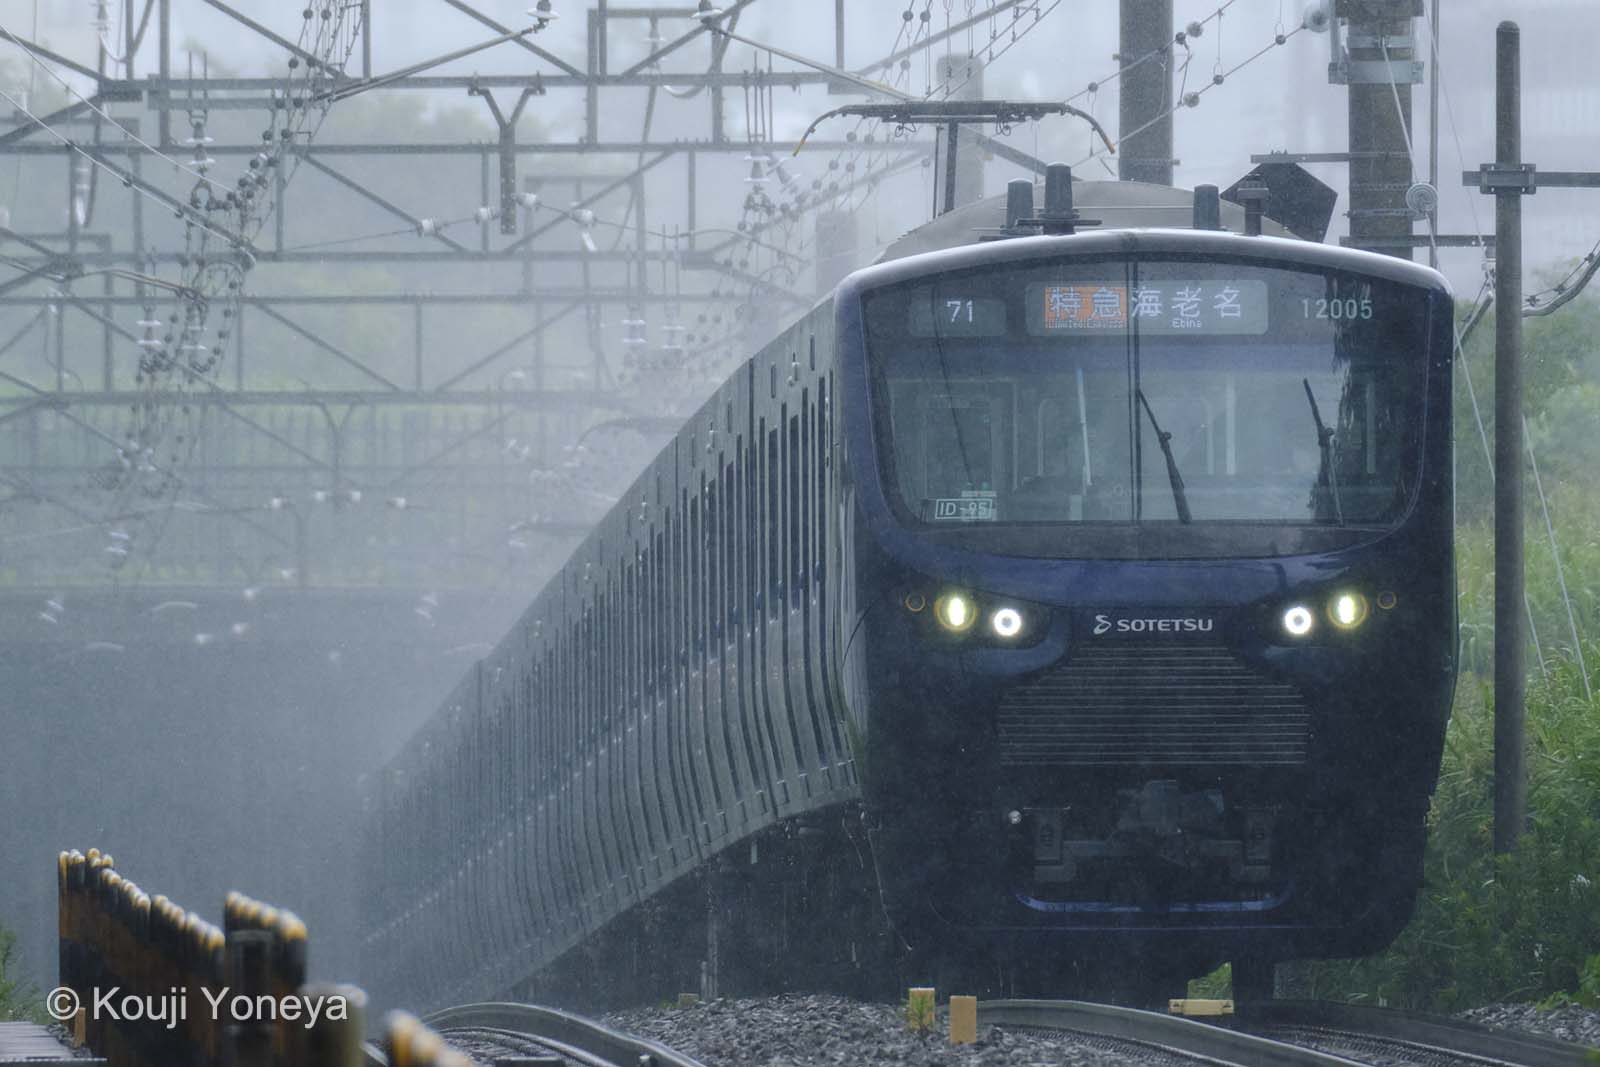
(1175, 396)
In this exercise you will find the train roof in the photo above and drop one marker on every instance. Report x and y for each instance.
(1134, 216)
(1118, 206)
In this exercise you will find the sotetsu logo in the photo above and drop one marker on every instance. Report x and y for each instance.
(1105, 624)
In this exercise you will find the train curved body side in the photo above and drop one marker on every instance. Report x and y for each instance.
(1021, 599)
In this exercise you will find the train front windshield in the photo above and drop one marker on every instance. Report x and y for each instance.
(1204, 408)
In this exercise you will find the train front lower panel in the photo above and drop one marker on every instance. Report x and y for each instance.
(1154, 537)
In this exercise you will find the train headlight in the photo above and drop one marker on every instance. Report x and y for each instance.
(1007, 622)
(1298, 620)
(956, 612)
(1347, 610)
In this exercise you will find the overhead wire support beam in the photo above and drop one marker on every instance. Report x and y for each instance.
(554, 399)
(31, 125)
(345, 92)
(1493, 177)
(54, 57)
(282, 42)
(520, 39)
(616, 148)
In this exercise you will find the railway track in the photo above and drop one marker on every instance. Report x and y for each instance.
(1364, 1033)
(1297, 1034)
(1287, 1033)
(537, 1035)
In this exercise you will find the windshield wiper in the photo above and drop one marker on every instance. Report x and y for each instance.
(1176, 479)
(1327, 476)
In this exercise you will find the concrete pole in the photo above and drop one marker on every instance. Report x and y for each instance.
(1510, 638)
(838, 243)
(1380, 116)
(962, 77)
(1146, 92)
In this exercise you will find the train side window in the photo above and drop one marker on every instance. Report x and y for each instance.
(697, 588)
(755, 493)
(616, 677)
(713, 591)
(793, 470)
(774, 583)
(658, 615)
(819, 541)
(587, 653)
(731, 541)
(680, 628)
(647, 625)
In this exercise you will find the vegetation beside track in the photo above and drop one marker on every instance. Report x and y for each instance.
(1522, 927)
(19, 1000)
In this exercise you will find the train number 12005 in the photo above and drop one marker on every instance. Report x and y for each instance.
(1350, 308)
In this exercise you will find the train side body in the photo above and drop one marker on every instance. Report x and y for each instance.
(675, 691)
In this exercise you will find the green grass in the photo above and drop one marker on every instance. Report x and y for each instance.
(19, 1000)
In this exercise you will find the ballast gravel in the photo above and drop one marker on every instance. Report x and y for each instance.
(1581, 1026)
(821, 1030)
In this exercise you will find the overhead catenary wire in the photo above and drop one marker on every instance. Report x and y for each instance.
(182, 212)
(1192, 99)
(186, 166)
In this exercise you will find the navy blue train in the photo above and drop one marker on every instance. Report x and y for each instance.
(1028, 604)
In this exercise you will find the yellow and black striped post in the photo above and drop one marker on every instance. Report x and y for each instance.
(408, 1043)
(335, 1038)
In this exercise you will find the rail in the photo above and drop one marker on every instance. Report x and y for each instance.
(1419, 1032)
(1166, 1033)
(593, 1042)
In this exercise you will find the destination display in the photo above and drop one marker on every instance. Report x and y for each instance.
(1208, 307)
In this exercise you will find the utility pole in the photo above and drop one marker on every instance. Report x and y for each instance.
(1146, 92)
(1379, 65)
(1510, 638)
(1508, 179)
